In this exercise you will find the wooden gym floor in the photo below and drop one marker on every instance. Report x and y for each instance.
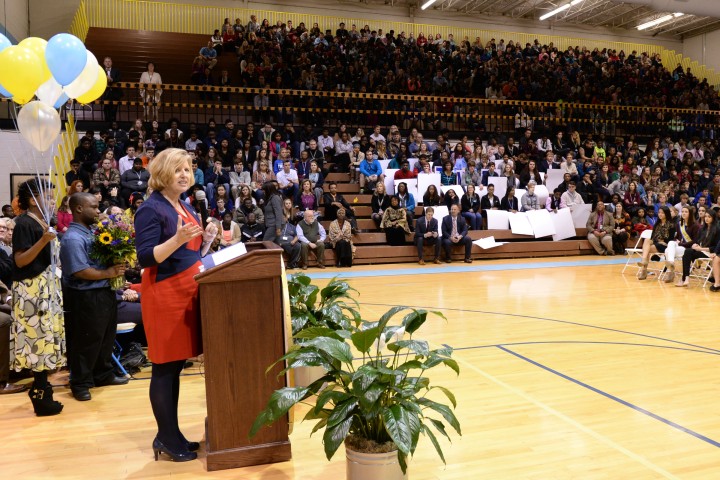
(569, 370)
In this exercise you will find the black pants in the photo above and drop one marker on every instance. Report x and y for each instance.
(448, 244)
(420, 242)
(688, 258)
(90, 326)
(343, 253)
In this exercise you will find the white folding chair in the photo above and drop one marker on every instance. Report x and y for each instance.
(635, 254)
(701, 269)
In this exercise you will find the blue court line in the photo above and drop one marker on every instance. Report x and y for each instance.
(567, 322)
(463, 268)
(614, 398)
(583, 342)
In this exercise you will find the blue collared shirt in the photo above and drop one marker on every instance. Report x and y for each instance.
(75, 257)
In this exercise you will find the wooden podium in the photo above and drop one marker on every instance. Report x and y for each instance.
(241, 308)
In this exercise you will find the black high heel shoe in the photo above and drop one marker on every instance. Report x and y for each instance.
(42, 401)
(159, 448)
(193, 446)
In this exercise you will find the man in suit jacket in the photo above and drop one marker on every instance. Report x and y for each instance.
(111, 93)
(426, 233)
(454, 232)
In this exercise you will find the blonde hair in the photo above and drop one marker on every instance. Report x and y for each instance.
(162, 168)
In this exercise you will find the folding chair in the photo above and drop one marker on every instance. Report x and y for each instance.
(117, 349)
(635, 253)
(701, 269)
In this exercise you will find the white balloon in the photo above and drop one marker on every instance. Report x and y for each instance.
(39, 124)
(49, 92)
(85, 80)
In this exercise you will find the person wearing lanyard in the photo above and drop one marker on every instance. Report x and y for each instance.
(600, 227)
(290, 243)
(134, 180)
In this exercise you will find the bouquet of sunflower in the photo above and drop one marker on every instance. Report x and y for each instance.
(114, 244)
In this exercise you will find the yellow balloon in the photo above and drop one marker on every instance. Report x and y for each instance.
(96, 90)
(20, 71)
(23, 97)
(37, 45)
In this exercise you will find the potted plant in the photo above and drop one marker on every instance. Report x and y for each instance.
(377, 404)
(310, 306)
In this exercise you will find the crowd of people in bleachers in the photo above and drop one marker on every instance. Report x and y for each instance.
(361, 59)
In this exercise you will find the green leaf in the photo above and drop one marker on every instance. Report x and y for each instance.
(402, 460)
(321, 424)
(335, 348)
(336, 396)
(313, 415)
(306, 359)
(414, 320)
(426, 430)
(415, 424)
(419, 347)
(448, 394)
(342, 411)
(370, 397)
(443, 410)
(363, 378)
(452, 364)
(334, 436)
(315, 386)
(409, 365)
(314, 332)
(364, 339)
(388, 315)
(397, 425)
(280, 402)
(440, 427)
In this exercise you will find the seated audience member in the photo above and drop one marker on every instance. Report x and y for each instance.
(715, 256)
(209, 55)
(407, 201)
(707, 239)
(447, 176)
(306, 198)
(454, 232)
(510, 203)
(554, 202)
(251, 231)
(632, 199)
(489, 201)
(239, 177)
(290, 243)
(64, 216)
(450, 198)
(530, 200)
(685, 236)
(5, 322)
(586, 189)
(370, 173)
(571, 197)
(600, 225)
(332, 201)
(340, 238)
(134, 180)
(214, 177)
(260, 177)
(622, 229)
(394, 223)
(76, 173)
(288, 180)
(405, 172)
(470, 205)
(379, 202)
(426, 233)
(229, 231)
(471, 176)
(316, 180)
(246, 208)
(432, 197)
(490, 172)
(663, 232)
(356, 159)
(312, 238)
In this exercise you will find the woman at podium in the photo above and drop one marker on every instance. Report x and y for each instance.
(170, 240)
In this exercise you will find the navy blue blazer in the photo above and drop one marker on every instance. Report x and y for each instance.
(155, 223)
(462, 227)
(422, 227)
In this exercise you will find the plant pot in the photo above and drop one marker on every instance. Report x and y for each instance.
(304, 376)
(373, 466)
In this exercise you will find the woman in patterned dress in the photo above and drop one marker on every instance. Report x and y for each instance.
(37, 335)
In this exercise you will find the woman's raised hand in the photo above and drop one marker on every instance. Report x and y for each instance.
(187, 232)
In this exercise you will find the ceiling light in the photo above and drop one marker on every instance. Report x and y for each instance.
(427, 4)
(660, 20)
(560, 9)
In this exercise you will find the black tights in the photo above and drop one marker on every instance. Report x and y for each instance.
(164, 395)
(40, 380)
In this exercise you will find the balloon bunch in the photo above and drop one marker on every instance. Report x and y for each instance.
(54, 72)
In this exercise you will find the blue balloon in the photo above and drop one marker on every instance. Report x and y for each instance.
(4, 92)
(61, 101)
(4, 42)
(66, 57)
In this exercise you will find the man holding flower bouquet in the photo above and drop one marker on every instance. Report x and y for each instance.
(90, 305)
